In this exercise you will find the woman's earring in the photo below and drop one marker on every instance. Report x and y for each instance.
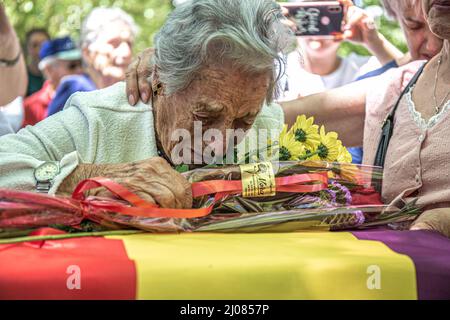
(156, 88)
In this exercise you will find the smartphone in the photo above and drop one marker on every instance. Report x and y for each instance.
(316, 18)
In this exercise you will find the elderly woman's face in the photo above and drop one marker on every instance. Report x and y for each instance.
(220, 97)
(437, 13)
(422, 43)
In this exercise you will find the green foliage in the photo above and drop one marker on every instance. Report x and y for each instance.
(64, 17)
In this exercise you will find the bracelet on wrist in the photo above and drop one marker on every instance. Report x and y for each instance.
(10, 63)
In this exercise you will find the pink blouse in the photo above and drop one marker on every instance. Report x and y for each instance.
(418, 158)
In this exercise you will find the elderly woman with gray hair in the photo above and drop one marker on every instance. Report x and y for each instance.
(414, 98)
(107, 36)
(215, 64)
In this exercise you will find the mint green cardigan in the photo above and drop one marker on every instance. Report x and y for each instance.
(94, 127)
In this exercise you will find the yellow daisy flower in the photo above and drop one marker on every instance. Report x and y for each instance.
(306, 132)
(289, 148)
(328, 149)
(344, 156)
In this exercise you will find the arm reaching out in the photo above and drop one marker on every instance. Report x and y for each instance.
(341, 110)
(361, 28)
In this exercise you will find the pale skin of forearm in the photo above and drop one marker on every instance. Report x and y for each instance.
(14, 79)
(341, 110)
(13, 82)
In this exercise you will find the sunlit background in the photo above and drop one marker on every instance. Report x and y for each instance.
(64, 17)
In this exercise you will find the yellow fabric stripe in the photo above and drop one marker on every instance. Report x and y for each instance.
(307, 265)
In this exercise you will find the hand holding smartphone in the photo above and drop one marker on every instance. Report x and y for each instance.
(317, 18)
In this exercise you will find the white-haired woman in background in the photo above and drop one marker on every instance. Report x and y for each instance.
(107, 36)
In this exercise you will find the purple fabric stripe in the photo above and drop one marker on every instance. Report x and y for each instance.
(430, 253)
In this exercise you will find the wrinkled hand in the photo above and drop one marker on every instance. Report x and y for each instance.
(138, 72)
(153, 180)
(436, 220)
(361, 28)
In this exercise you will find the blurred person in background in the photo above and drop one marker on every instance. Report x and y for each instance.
(317, 67)
(422, 43)
(33, 42)
(59, 58)
(107, 37)
(13, 77)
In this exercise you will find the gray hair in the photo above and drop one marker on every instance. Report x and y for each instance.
(392, 7)
(251, 34)
(99, 18)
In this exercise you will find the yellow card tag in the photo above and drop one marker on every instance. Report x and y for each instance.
(258, 180)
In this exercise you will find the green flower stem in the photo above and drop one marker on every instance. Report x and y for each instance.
(15, 233)
(257, 152)
(69, 235)
(309, 155)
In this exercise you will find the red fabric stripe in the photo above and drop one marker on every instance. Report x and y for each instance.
(31, 271)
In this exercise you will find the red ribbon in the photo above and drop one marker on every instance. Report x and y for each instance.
(20, 208)
(294, 183)
(221, 188)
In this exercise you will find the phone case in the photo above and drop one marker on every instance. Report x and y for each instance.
(323, 19)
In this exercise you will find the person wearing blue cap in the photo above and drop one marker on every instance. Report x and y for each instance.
(107, 36)
(59, 58)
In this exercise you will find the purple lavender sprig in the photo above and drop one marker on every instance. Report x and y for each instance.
(343, 194)
(360, 218)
